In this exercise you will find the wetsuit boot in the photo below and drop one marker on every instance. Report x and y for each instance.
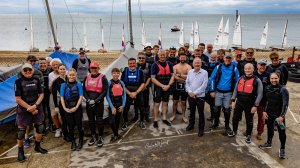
(80, 143)
(21, 156)
(39, 149)
(216, 117)
(74, 145)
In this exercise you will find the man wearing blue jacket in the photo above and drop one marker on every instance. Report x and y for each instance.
(223, 80)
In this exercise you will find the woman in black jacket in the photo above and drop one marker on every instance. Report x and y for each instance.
(277, 100)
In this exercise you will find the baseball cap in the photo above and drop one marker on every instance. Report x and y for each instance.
(263, 62)
(27, 65)
(238, 52)
(148, 45)
(94, 64)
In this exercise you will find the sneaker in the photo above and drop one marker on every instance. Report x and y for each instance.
(265, 145)
(177, 112)
(114, 138)
(142, 125)
(100, 141)
(125, 126)
(230, 133)
(248, 139)
(258, 137)
(281, 153)
(155, 124)
(26, 143)
(57, 133)
(92, 140)
(167, 122)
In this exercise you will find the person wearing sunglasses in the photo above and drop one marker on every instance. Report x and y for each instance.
(29, 95)
(248, 59)
(146, 68)
(279, 68)
(95, 86)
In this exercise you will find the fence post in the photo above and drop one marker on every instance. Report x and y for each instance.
(294, 49)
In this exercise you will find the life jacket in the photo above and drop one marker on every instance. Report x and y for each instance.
(219, 74)
(116, 93)
(71, 95)
(30, 90)
(94, 84)
(82, 69)
(246, 86)
(164, 73)
(131, 78)
(145, 70)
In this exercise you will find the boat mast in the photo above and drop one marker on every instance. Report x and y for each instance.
(51, 23)
(72, 35)
(130, 24)
(284, 34)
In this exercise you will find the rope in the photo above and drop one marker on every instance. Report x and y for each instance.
(112, 12)
(73, 24)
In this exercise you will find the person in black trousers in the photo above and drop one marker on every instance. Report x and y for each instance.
(277, 99)
(196, 84)
(94, 91)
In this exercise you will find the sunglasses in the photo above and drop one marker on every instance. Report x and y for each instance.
(27, 70)
(275, 58)
(142, 58)
(249, 52)
(94, 67)
(32, 60)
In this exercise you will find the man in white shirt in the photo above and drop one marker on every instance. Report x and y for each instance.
(196, 84)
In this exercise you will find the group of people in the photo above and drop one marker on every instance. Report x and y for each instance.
(182, 76)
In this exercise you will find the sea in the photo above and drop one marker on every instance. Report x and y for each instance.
(15, 30)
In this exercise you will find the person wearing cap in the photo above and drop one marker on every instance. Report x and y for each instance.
(222, 83)
(238, 56)
(180, 74)
(29, 95)
(31, 59)
(95, 86)
(277, 67)
(264, 76)
(162, 76)
(81, 65)
(246, 98)
(149, 55)
(249, 59)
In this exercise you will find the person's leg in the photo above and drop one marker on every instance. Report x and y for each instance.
(184, 96)
(39, 128)
(112, 121)
(99, 110)
(226, 104)
(165, 101)
(78, 119)
(237, 112)
(192, 104)
(127, 107)
(200, 107)
(217, 112)
(71, 125)
(146, 104)
(91, 113)
(157, 96)
(20, 141)
(64, 126)
(175, 104)
(282, 136)
(260, 123)
(249, 120)
(270, 125)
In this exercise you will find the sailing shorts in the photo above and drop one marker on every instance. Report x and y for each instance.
(183, 95)
(25, 118)
(160, 95)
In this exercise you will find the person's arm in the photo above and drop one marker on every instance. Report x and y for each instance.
(259, 92)
(285, 101)
(55, 88)
(85, 94)
(185, 76)
(108, 97)
(124, 94)
(213, 79)
(104, 90)
(154, 70)
(62, 100)
(234, 94)
(187, 83)
(75, 64)
(80, 89)
(285, 75)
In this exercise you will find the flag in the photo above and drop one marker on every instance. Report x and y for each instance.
(159, 38)
(123, 39)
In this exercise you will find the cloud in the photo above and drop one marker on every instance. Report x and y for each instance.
(155, 6)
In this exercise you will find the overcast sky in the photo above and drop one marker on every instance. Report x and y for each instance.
(155, 6)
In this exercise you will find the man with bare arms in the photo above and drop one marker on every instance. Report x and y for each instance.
(180, 73)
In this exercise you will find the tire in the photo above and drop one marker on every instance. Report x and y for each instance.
(293, 79)
(294, 74)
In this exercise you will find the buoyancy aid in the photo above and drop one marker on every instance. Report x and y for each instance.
(164, 73)
(116, 93)
(71, 95)
(30, 90)
(132, 78)
(247, 87)
(94, 84)
(82, 69)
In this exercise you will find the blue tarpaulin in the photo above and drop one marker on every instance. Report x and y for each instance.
(7, 98)
(66, 58)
